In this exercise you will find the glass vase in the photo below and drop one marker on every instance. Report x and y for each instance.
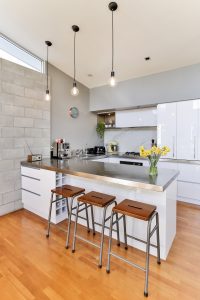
(153, 170)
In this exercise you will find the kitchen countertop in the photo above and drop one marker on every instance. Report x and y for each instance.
(133, 176)
(122, 156)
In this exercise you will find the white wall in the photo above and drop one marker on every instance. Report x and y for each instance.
(170, 86)
(130, 139)
(80, 131)
(24, 117)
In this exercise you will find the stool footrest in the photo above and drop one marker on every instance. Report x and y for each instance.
(128, 261)
(119, 218)
(87, 241)
(140, 240)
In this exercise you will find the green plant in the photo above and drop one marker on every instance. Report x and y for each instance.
(100, 129)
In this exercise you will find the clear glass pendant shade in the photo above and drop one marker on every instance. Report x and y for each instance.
(112, 80)
(74, 90)
(47, 96)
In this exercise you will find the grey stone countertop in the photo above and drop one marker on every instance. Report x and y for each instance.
(122, 156)
(132, 176)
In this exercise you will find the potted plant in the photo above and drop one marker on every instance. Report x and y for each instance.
(153, 156)
(100, 129)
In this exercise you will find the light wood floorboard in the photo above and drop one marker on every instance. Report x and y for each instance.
(35, 268)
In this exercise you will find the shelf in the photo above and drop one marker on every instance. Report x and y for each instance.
(138, 127)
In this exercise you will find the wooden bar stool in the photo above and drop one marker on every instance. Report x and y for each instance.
(67, 192)
(100, 200)
(143, 212)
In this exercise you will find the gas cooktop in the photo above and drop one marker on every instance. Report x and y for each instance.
(132, 154)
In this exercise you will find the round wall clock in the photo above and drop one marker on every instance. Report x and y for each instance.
(73, 112)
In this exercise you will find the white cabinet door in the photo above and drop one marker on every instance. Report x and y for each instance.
(198, 139)
(189, 173)
(166, 127)
(187, 129)
(136, 117)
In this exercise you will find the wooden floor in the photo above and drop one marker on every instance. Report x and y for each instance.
(33, 267)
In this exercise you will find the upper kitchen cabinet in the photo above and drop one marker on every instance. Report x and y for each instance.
(187, 129)
(136, 118)
(166, 127)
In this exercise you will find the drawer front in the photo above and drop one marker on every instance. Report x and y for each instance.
(31, 172)
(189, 172)
(189, 190)
(32, 203)
(30, 184)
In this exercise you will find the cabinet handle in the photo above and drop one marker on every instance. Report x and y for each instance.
(194, 147)
(173, 147)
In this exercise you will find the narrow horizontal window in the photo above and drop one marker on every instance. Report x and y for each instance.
(11, 51)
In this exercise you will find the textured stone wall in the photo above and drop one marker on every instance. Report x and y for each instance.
(24, 118)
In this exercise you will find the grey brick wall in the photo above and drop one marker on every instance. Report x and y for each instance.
(24, 118)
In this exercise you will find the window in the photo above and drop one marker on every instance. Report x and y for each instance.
(13, 52)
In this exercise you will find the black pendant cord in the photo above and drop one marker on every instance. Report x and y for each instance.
(74, 56)
(112, 43)
(47, 67)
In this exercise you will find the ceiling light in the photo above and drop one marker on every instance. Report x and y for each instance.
(74, 90)
(112, 6)
(47, 94)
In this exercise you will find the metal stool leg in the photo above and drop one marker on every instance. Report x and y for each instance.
(87, 218)
(158, 239)
(102, 237)
(67, 203)
(75, 228)
(117, 224)
(125, 234)
(110, 243)
(69, 222)
(92, 215)
(147, 259)
(49, 218)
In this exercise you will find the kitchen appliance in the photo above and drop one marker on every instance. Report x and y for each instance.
(34, 157)
(112, 147)
(89, 150)
(132, 154)
(133, 163)
(99, 150)
(60, 149)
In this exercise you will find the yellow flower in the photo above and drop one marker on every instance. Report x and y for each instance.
(165, 150)
(154, 151)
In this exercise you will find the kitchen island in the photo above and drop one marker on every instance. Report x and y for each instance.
(123, 181)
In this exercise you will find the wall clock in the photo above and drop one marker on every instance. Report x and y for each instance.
(73, 112)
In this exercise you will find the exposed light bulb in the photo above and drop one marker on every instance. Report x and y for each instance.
(47, 96)
(74, 90)
(112, 79)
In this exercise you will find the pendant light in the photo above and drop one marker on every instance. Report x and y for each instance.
(112, 6)
(47, 95)
(74, 90)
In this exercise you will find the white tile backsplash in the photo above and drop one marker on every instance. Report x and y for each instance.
(130, 139)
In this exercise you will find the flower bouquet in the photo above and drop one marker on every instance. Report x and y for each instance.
(153, 156)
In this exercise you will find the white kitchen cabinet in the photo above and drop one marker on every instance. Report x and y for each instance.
(198, 138)
(189, 173)
(166, 127)
(167, 165)
(189, 192)
(36, 193)
(136, 118)
(187, 129)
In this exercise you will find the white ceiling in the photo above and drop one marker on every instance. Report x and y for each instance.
(167, 31)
